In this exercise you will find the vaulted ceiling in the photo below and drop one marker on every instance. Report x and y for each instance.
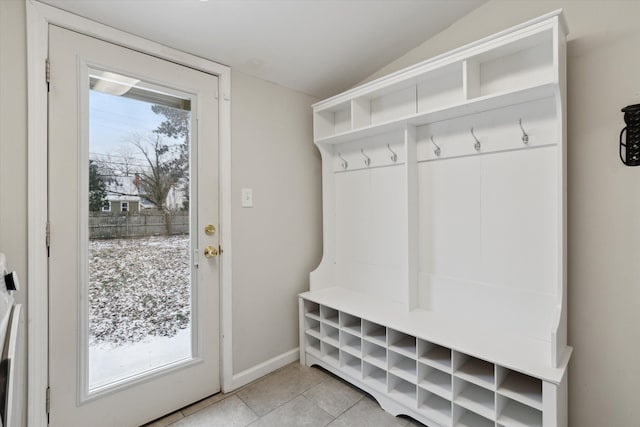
(319, 47)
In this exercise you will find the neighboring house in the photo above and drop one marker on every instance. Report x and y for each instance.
(175, 199)
(123, 194)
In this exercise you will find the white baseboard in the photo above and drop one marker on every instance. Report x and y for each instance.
(264, 368)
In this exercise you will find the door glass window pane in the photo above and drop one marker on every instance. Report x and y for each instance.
(139, 268)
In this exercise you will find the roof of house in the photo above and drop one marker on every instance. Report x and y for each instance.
(122, 188)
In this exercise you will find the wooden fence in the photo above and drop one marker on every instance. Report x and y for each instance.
(110, 226)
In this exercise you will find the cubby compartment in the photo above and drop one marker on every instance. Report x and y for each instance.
(434, 407)
(434, 355)
(474, 370)
(385, 105)
(329, 315)
(374, 377)
(333, 120)
(520, 387)
(374, 354)
(330, 334)
(435, 381)
(311, 310)
(402, 366)
(351, 343)
(402, 343)
(440, 88)
(515, 414)
(313, 345)
(351, 324)
(402, 390)
(465, 418)
(350, 364)
(474, 398)
(330, 354)
(312, 327)
(374, 332)
(524, 63)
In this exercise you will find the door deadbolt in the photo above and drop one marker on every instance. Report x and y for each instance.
(209, 229)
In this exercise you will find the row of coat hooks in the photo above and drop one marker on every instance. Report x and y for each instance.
(367, 159)
(477, 145)
(437, 151)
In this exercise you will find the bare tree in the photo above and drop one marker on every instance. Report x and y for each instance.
(123, 163)
(105, 165)
(164, 169)
(177, 125)
(127, 160)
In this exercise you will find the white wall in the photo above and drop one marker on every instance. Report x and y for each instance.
(278, 241)
(275, 244)
(13, 138)
(13, 145)
(604, 207)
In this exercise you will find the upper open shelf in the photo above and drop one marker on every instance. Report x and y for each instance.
(474, 106)
(507, 69)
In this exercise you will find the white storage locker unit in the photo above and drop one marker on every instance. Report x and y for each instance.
(442, 288)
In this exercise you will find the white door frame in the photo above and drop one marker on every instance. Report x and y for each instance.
(39, 17)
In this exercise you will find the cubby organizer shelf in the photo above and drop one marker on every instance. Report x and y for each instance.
(430, 383)
(442, 287)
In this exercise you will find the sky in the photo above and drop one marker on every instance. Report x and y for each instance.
(114, 118)
(112, 121)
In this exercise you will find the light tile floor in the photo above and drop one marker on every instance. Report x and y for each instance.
(293, 396)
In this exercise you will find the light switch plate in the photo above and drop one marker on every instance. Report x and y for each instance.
(247, 198)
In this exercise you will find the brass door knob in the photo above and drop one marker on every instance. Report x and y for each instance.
(210, 251)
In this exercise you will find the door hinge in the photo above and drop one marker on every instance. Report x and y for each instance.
(48, 401)
(47, 71)
(47, 237)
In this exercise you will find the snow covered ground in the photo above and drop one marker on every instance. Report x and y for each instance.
(139, 305)
(108, 364)
(138, 288)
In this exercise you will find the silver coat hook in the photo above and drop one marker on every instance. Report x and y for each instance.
(344, 163)
(367, 160)
(525, 136)
(477, 144)
(437, 151)
(394, 156)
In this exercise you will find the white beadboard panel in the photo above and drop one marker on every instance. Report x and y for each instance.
(450, 230)
(370, 241)
(520, 220)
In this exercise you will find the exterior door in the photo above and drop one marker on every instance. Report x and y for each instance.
(133, 212)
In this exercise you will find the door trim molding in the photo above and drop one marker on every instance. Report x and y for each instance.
(39, 17)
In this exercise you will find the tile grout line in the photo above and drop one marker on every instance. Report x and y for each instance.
(317, 406)
(258, 417)
(284, 403)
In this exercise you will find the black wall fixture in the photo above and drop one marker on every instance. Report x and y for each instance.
(631, 156)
